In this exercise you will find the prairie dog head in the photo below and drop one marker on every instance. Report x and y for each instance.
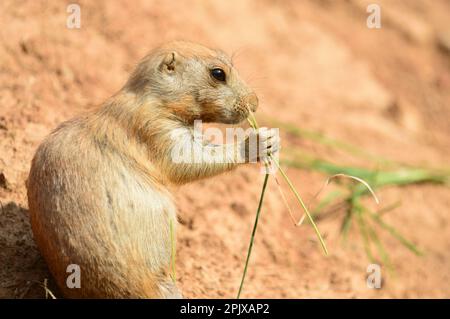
(194, 82)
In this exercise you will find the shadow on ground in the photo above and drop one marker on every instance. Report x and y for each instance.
(23, 270)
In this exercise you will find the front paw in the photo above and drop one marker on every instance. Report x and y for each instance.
(260, 145)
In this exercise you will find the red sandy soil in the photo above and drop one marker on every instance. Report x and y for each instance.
(312, 63)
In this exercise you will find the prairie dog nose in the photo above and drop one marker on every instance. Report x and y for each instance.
(252, 101)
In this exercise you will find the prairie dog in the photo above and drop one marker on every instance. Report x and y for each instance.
(98, 189)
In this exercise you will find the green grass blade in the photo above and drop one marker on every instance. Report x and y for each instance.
(381, 250)
(346, 223)
(396, 234)
(252, 238)
(364, 233)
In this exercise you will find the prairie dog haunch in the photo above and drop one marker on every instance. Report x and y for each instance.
(98, 185)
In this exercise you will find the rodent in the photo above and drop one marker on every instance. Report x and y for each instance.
(99, 185)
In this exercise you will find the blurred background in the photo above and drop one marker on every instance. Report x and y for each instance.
(348, 96)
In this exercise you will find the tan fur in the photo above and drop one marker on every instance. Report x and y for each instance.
(98, 186)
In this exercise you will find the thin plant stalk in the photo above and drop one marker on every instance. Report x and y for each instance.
(308, 214)
(252, 121)
(291, 214)
(173, 252)
(48, 292)
(254, 124)
(252, 238)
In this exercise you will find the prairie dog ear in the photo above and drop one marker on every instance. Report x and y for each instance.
(170, 62)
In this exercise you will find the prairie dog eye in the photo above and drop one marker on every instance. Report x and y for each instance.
(218, 74)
